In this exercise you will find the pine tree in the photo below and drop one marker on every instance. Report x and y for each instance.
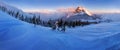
(38, 20)
(73, 24)
(49, 23)
(22, 18)
(34, 20)
(53, 27)
(17, 14)
(63, 27)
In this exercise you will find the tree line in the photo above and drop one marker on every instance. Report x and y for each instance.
(61, 24)
(58, 24)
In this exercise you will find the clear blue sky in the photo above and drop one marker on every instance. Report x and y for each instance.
(53, 4)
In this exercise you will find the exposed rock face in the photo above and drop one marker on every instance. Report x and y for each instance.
(82, 10)
(80, 14)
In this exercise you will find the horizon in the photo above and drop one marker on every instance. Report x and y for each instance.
(97, 6)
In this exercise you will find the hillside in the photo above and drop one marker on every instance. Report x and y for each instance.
(18, 35)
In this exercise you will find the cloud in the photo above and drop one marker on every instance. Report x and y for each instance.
(71, 9)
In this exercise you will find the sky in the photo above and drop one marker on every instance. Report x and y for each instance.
(93, 5)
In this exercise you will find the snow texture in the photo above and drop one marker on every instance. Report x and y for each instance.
(18, 35)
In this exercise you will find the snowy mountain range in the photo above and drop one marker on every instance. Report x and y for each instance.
(81, 13)
(19, 35)
(15, 34)
(78, 14)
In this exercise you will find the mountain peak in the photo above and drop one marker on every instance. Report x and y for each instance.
(79, 9)
(82, 10)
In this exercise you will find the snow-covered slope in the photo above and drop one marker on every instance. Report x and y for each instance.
(9, 8)
(18, 35)
(115, 17)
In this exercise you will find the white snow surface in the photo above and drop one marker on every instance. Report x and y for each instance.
(14, 9)
(115, 17)
(19, 35)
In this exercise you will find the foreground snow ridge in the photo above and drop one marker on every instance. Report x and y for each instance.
(19, 35)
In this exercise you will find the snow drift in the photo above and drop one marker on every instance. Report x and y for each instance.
(18, 35)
